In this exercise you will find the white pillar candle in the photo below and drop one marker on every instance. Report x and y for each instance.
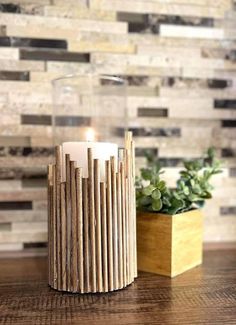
(78, 152)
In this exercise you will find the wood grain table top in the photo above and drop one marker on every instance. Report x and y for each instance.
(204, 295)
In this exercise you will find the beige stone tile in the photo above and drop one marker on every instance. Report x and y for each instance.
(110, 47)
(78, 11)
(191, 32)
(141, 6)
(18, 216)
(22, 237)
(26, 195)
(11, 247)
(10, 185)
(7, 53)
(19, 162)
(13, 65)
(54, 22)
(32, 227)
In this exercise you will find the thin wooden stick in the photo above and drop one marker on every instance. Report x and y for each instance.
(104, 236)
(80, 228)
(50, 210)
(92, 219)
(134, 209)
(127, 207)
(87, 281)
(119, 230)
(98, 224)
(68, 221)
(109, 226)
(128, 138)
(74, 270)
(124, 234)
(54, 228)
(127, 229)
(63, 236)
(114, 222)
(58, 213)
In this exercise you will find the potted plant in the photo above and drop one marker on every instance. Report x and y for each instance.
(169, 220)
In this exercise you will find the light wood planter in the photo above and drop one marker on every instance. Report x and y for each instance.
(169, 245)
(92, 224)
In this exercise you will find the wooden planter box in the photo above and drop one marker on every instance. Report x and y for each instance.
(169, 245)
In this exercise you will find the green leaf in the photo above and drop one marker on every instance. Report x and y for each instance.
(192, 182)
(176, 195)
(184, 173)
(157, 205)
(200, 203)
(186, 190)
(146, 174)
(217, 171)
(166, 201)
(145, 200)
(211, 152)
(188, 165)
(206, 195)
(148, 190)
(197, 189)
(161, 185)
(176, 205)
(156, 194)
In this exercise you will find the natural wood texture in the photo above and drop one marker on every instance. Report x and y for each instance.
(203, 295)
(79, 210)
(119, 229)
(114, 223)
(124, 234)
(87, 261)
(53, 235)
(50, 223)
(92, 223)
(63, 237)
(98, 225)
(58, 165)
(109, 226)
(74, 232)
(169, 245)
(104, 236)
(92, 240)
(68, 218)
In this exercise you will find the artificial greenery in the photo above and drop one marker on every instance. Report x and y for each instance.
(192, 188)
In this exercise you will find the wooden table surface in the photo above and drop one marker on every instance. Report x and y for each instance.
(204, 295)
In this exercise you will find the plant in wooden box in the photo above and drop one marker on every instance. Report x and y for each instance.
(169, 222)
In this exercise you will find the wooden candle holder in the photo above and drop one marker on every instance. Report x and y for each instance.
(92, 224)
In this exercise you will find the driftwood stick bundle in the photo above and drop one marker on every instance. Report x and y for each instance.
(92, 223)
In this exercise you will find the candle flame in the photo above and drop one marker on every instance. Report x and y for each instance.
(90, 135)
